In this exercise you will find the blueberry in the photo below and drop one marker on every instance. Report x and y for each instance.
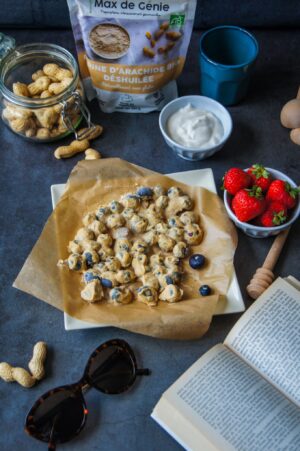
(205, 290)
(89, 259)
(115, 294)
(176, 276)
(101, 212)
(144, 191)
(132, 196)
(106, 283)
(169, 280)
(78, 266)
(89, 276)
(196, 261)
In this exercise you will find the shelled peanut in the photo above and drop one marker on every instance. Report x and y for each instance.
(82, 144)
(36, 366)
(42, 123)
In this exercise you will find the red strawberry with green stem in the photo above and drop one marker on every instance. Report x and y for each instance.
(260, 176)
(236, 179)
(247, 204)
(274, 215)
(281, 191)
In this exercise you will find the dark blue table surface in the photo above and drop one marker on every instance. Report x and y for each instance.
(27, 170)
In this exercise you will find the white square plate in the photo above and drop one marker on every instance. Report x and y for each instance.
(231, 303)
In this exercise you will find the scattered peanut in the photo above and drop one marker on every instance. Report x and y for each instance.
(22, 376)
(158, 34)
(80, 145)
(170, 45)
(90, 133)
(148, 52)
(92, 154)
(36, 364)
(74, 148)
(164, 26)
(11, 374)
(166, 48)
(20, 89)
(152, 43)
(173, 35)
(148, 35)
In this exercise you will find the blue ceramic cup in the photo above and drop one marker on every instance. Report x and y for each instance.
(227, 55)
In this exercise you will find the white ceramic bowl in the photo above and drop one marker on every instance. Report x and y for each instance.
(202, 103)
(264, 232)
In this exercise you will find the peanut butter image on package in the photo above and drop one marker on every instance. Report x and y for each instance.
(109, 41)
(131, 52)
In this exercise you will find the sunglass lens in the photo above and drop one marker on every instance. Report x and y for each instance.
(111, 370)
(58, 417)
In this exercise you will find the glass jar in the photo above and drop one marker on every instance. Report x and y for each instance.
(42, 98)
(7, 43)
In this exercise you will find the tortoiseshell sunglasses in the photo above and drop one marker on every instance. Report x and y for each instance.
(60, 414)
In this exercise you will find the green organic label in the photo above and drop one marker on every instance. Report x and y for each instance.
(177, 20)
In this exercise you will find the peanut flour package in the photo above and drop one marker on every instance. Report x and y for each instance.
(131, 51)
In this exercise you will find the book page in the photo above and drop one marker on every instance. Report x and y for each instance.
(268, 337)
(230, 405)
(293, 281)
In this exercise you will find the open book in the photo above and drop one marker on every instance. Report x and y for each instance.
(243, 394)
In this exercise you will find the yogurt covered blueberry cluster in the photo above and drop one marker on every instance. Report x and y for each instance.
(134, 247)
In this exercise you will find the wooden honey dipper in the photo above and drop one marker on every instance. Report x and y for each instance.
(264, 276)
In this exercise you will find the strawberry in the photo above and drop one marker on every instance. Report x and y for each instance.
(247, 204)
(274, 215)
(277, 207)
(236, 179)
(281, 191)
(260, 176)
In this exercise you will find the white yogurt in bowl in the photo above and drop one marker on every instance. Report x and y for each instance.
(195, 127)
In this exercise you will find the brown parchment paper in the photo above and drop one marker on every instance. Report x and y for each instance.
(92, 183)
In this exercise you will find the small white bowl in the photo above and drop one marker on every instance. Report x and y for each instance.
(263, 232)
(202, 103)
